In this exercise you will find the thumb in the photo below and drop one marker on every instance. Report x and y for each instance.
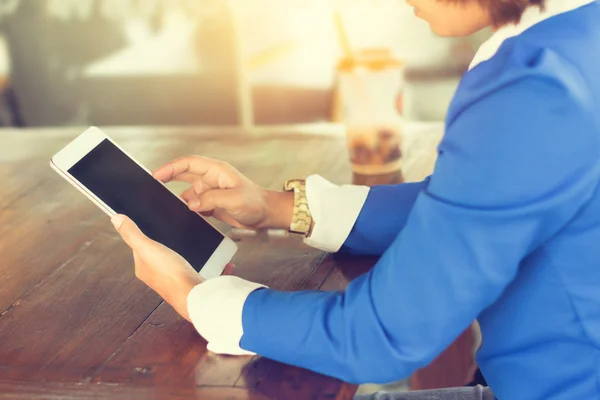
(216, 198)
(229, 269)
(131, 234)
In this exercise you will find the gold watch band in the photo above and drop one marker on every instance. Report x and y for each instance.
(302, 218)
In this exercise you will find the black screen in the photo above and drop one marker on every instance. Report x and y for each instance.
(126, 188)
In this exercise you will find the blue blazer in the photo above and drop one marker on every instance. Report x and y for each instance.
(506, 230)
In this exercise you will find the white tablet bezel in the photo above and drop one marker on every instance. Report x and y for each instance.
(62, 161)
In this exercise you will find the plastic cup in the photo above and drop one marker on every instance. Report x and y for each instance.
(369, 88)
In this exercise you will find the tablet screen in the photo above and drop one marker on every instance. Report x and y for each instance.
(128, 189)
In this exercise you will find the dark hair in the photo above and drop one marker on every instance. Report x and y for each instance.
(506, 11)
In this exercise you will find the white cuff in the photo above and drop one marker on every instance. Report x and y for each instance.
(334, 210)
(215, 308)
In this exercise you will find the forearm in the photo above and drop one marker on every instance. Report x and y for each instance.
(382, 217)
(394, 319)
(334, 210)
(448, 264)
(356, 219)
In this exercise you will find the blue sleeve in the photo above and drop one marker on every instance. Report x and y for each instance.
(383, 215)
(514, 167)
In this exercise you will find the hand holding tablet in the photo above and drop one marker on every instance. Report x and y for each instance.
(102, 171)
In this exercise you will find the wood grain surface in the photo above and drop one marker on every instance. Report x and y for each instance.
(74, 321)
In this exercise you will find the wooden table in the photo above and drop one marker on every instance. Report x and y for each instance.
(74, 321)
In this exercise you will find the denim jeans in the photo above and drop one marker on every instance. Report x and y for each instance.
(462, 393)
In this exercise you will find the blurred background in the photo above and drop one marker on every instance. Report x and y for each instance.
(210, 62)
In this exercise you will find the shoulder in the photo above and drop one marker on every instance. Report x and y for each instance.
(525, 116)
(524, 72)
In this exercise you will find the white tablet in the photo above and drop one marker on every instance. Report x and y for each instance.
(101, 170)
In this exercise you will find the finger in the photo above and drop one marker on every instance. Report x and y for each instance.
(229, 269)
(187, 178)
(194, 165)
(192, 193)
(189, 195)
(131, 234)
(164, 173)
(201, 186)
(212, 199)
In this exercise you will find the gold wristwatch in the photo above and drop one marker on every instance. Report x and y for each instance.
(302, 219)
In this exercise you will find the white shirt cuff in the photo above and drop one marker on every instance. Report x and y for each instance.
(215, 308)
(334, 209)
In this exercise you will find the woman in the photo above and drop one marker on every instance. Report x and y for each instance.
(505, 230)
